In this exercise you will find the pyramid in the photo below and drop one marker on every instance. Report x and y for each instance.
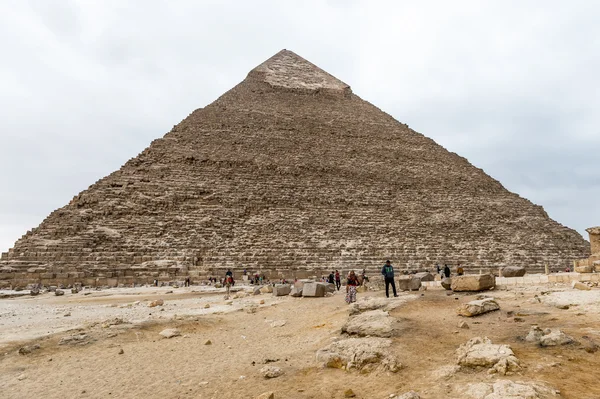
(288, 174)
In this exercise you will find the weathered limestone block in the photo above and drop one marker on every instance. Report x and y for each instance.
(300, 283)
(506, 389)
(296, 292)
(473, 282)
(363, 354)
(376, 323)
(447, 283)
(267, 289)
(476, 308)
(281, 290)
(513, 271)
(481, 352)
(408, 283)
(424, 276)
(314, 290)
(584, 269)
(580, 286)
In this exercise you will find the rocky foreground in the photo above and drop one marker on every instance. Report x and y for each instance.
(536, 342)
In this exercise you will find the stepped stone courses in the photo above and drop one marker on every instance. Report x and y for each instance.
(289, 174)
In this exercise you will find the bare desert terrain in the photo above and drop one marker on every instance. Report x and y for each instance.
(107, 344)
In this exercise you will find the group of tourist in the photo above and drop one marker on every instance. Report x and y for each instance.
(445, 271)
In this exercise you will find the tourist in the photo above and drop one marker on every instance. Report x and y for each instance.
(365, 279)
(351, 285)
(459, 270)
(446, 271)
(438, 268)
(338, 282)
(330, 278)
(228, 283)
(388, 274)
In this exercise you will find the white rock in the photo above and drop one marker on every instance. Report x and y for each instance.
(481, 352)
(408, 395)
(271, 372)
(278, 323)
(475, 308)
(375, 323)
(170, 333)
(364, 354)
(505, 389)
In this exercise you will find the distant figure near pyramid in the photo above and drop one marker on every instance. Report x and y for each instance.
(288, 174)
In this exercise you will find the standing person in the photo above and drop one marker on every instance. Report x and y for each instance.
(459, 270)
(351, 285)
(437, 268)
(388, 274)
(330, 278)
(228, 284)
(338, 282)
(446, 271)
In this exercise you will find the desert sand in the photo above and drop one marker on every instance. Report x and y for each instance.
(106, 344)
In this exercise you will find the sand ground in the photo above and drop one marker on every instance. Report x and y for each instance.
(243, 340)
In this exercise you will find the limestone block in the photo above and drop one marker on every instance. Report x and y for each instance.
(314, 290)
(300, 283)
(473, 282)
(584, 269)
(447, 283)
(282, 290)
(296, 292)
(476, 308)
(267, 289)
(580, 286)
(424, 276)
(513, 271)
(408, 283)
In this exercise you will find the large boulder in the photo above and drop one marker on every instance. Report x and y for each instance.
(376, 323)
(481, 352)
(363, 354)
(267, 289)
(476, 308)
(447, 283)
(296, 292)
(424, 276)
(409, 283)
(300, 283)
(473, 282)
(506, 389)
(282, 290)
(314, 289)
(584, 269)
(548, 337)
(513, 271)
(170, 333)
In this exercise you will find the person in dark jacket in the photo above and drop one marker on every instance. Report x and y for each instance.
(388, 274)
(446, 271)
(331, 278)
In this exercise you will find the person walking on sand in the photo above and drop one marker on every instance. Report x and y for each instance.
(351, 285)
(338, 282)
(388, 274)
(228, 284)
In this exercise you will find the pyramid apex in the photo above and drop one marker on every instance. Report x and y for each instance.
(288, 70)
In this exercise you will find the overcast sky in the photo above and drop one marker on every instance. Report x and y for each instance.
(513, 86)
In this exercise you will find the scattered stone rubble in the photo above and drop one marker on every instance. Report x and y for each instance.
(481, 352)
(548, 337)
(478, 307)
(506, 389)
(363, 354)
(376, 323)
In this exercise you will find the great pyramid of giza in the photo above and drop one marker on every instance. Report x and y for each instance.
(289, 174)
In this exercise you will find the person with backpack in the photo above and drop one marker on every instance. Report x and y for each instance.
(388, 275)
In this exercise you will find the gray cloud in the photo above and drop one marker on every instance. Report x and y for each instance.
(511, 86)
